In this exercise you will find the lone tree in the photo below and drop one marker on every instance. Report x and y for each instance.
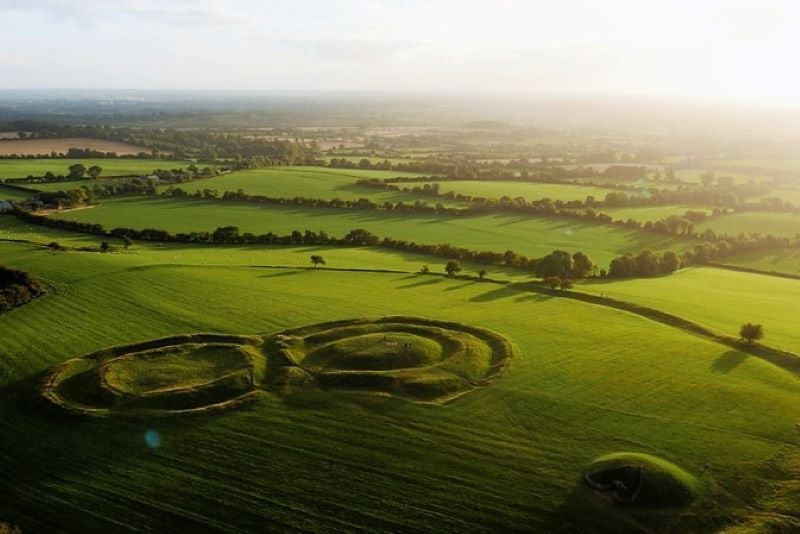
(566, 284)
(750, 332)
(316, 260)
(128, 241)
(424, 269)
(95, 171)
(482, 273)
(452, 267)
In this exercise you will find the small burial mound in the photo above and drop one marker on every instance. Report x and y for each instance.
(416, 359)
(642, 480)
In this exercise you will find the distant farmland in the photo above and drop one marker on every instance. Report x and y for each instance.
(35, 147)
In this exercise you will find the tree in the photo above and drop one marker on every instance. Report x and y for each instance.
(424, 269)
(104, 246)
(128, 241)
(553, 281)
(581, 265)
(566, 284)
(751, 332)
(557, 263)
(452, 267)
(95, 171)
(316, 260)
(482, 273)
(77, 171)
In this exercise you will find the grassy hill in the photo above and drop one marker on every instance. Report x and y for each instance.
(585, 382)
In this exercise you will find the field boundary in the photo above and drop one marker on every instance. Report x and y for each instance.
(751, 270)
(789, 361)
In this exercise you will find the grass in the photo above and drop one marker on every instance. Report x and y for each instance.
(22, 168)
(13, 228)
(506, 457)
(719, 299)
(781, 224)
(525, 235)
(652, 213)
(529, 191)
(11, 194)
(777, 260)
(312, 182)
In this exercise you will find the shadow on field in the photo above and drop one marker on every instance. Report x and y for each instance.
(282, 273)
(426, 282)
(728, 361)
(495, 294)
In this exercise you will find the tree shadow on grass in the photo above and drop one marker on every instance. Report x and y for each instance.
(282, 273)
(495, 294)
(427, 282)
(728, 361)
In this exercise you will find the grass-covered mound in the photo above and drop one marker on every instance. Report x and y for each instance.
(409, 357)
(182, 374)
(642, 480)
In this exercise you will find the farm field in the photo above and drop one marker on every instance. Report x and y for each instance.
(12, 228)
(652, 213)
(525, 235)
(22, 168)
(693, 175)
(310, 182)
(717, 298)
(778, 260)
(484, 455)
(529, 191)
(781, 224)
(37, 147)
(9, 193)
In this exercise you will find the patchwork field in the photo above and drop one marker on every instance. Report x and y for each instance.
(36, 147)
(781, 224)
(9, 193)
(22, 168)
(778, 260)
(529, 191)
(309, 182)
(509, 455)
(653, 213)
(526, 235)
(719, 299)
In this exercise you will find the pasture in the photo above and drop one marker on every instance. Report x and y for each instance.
(717, 298)
(528, 191)
(525, 235)
(510, 455)
(751, 222)
(309, 182)
(22, 168)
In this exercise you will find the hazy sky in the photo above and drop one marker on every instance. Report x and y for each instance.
(732, 50)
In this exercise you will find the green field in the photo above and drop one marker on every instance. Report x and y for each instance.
(778, 260)
(719, 299)
(525, 235)
(528, 191)
(781, 224)
(22, 168)
(9, 193)
(309, 182)
(13, 228)
(508, 456)
(653, 213)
